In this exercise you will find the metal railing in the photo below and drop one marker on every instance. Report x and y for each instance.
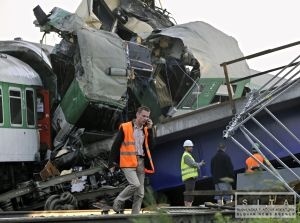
(251, 56)
(257, 101)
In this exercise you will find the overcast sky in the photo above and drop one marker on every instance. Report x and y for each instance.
(256, 24)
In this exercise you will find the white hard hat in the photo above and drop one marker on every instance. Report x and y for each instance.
(188, 143)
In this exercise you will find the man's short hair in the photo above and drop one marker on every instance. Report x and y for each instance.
(143, 108)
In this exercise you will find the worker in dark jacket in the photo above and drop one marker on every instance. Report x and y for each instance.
(222, 173)
(131, 152)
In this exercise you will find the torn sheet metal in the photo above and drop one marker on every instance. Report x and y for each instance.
(138, 27)
(63, 21)
(141, 11)
(124, 17)
(85, 11)
(100, 52)
(208, 45)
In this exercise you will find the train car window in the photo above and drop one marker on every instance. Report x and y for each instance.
(15, 107)
(40, 106)
(30, 107)
(1, 108)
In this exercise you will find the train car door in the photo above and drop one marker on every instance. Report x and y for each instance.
(44, 122)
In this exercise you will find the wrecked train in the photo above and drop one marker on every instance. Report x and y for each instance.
(64, 104)
(113, 57)
(28, 157)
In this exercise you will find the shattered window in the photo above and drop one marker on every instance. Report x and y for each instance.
(139, 56)
(1, 107)
(15, 107)
(30, 107)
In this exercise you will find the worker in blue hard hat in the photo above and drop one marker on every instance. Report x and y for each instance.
(189, 171)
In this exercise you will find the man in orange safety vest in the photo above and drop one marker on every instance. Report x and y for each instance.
(131, 152)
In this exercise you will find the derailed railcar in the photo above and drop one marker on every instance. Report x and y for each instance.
(19, 133)
(35, 56)
(99, 76)
(28, 158)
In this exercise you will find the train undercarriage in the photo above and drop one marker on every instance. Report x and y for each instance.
(76, 189)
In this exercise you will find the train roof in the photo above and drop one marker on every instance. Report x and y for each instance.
(21, 45)
(13, 70)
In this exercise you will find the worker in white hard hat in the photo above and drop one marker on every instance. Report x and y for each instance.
(189, 171)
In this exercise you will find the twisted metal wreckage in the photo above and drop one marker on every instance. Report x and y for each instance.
(113, 57)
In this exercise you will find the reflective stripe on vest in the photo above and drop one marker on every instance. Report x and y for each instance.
(127, 150)
(149, 171)
(251, 162)
(187, 171)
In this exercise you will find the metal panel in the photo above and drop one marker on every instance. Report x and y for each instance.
(18, 144)
(263, 180)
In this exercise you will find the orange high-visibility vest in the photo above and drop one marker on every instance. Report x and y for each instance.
(251, 162)
(128, 153)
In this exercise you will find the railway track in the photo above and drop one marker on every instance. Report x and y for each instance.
(174, 214)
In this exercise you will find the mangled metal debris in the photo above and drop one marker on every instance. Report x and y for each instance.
(113, 57)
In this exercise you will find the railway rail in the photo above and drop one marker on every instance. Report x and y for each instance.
(174, 214)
